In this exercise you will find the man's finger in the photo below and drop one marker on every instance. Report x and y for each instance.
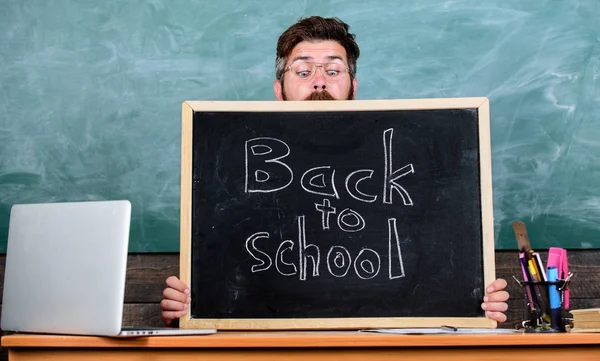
(177, 284)
(500, 296)
(497, 285)
(496, 316)
(169, 305)
(170, 315)
(173, 294)
(495, 306)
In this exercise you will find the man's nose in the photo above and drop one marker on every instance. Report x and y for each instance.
(319, 83)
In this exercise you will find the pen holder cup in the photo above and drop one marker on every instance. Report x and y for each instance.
(541, 317)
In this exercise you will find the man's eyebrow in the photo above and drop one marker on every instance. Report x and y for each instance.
(302, 57)
(335, 57)
(310, 58)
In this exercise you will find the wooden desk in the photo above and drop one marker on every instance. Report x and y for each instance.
(312, 346)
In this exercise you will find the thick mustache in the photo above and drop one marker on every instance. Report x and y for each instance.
(322, 95)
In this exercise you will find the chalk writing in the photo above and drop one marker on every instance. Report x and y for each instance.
(267, 172)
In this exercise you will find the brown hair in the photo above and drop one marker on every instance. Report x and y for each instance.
(316, 28)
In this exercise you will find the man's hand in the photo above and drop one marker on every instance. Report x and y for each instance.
(494, 303)
(176, 300)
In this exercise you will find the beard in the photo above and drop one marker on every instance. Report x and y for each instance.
(323, 95)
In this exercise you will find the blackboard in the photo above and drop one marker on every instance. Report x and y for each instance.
(91, 93)
(336, 214)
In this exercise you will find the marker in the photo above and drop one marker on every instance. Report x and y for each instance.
(558, 257)
(554, 298)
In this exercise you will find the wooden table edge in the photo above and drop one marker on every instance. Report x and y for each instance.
(232, 339)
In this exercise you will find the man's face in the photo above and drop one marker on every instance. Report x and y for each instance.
(321, 59)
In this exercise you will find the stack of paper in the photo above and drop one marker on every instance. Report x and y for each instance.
(586, 320)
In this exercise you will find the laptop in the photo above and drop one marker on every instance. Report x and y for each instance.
(65, 270)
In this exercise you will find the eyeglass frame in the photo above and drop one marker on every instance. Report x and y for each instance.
(318, 65)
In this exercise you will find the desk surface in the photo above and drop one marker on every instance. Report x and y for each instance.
(309, 339)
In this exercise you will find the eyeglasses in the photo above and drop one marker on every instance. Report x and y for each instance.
(305, 70)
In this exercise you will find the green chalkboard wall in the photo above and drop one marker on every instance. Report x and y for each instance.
(91, 93)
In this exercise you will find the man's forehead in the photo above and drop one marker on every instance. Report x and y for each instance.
(318, 51)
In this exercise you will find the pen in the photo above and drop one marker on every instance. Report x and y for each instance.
(449, 328)
(539, 266)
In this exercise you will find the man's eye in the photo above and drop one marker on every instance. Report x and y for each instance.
(303, 73)
(333, 72)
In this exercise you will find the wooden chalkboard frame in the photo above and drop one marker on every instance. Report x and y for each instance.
(487, 226)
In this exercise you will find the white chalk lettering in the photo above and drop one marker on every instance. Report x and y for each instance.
(261, 176)
(257, 150)
(347, 226)
(353, 191)
(390, 176)
(265, 172)
(394, 252)
(270, 174)
(326, 209)
(265, 260)
(367, 262)
(279, 258)
(303, 249)
(317, 183)
(366, 268)
(341, 261)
